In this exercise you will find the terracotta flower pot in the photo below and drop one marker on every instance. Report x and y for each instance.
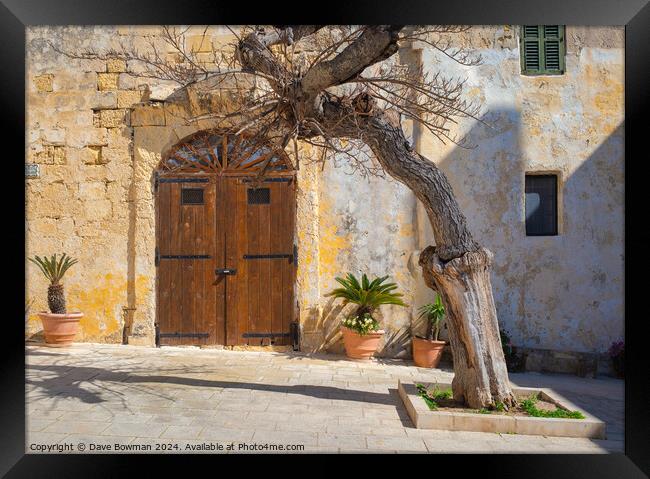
(60, 329)
(427, 353)
(358, 346)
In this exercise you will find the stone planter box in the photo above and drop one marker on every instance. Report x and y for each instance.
(424, 418)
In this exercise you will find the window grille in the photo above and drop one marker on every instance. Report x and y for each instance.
(259, 196)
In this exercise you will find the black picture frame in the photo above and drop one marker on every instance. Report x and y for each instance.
(634, 14)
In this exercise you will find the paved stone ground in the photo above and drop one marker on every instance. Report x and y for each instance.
(179, 398)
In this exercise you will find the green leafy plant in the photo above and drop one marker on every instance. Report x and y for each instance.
(431, 397)
(423, 393)
(368, 296)
(441, 393)
(484, 411)
(529, 405)
(54, 269)
(435, 314)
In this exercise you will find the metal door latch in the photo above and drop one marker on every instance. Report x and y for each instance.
(225, 271)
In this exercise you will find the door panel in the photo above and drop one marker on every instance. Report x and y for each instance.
(188, 295)
(223, 220)
(262, 289)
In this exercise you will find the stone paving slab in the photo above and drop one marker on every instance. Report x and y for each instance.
(188, 400)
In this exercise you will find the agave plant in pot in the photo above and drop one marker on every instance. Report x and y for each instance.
(361, 333)
(59, 326)
(427, 351)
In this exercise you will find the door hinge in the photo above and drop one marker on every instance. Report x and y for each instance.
(157, 258)
(183, 335)
(295, 255)
(156, 181)
(269, 256)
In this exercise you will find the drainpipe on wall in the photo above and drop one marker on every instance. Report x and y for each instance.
(127, 313)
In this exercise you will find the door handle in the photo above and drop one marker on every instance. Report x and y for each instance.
(225, 271)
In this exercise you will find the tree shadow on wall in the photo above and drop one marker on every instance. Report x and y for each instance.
(545, 286)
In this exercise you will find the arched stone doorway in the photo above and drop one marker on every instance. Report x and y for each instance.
(225, 255)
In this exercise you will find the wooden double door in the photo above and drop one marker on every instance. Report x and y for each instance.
(225, 259)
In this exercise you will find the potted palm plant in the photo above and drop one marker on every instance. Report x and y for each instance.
(59, 326)
(427, 351)
(361, 333)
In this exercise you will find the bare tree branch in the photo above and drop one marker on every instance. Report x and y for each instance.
(372, 46)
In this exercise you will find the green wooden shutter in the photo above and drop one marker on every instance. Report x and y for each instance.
(542, 49)
(530, 51)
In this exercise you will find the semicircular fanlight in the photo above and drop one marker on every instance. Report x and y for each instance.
(209, 152)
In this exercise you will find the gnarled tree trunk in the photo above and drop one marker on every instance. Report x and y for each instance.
(457, 268)
(480, 374)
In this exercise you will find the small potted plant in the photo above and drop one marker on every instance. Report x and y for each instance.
(361, 333)
(427, 351)
(59, 326)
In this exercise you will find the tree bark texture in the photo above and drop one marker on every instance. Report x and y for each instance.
(480, 373)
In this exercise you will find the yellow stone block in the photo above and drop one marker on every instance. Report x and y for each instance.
(92, 190)
(97, 208)
(59, 155)
(51, 155)
(126, 99)
(115, 65)
(43, 83)
(114, 154)
(107, 81)
(148, 115)
(199, 43)
(92, 155)
(112, 118)
(119, 137)
(176, 114)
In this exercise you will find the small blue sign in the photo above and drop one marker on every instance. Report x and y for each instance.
(32, 170)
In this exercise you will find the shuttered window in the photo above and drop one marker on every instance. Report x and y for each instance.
(542, 49)
(541, 205)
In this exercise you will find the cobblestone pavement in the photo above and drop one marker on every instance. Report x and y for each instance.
(93, 396)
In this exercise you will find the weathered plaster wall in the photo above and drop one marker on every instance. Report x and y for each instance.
(563, 292)
(363, 226)
(98, 149)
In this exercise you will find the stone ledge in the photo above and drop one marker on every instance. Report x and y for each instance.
(581, 364)
(424, 418)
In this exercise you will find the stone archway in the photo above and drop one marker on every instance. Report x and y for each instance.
(225, 251)
(327, 244)
(157, 127)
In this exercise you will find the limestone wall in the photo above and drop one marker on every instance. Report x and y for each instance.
(97, 147)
